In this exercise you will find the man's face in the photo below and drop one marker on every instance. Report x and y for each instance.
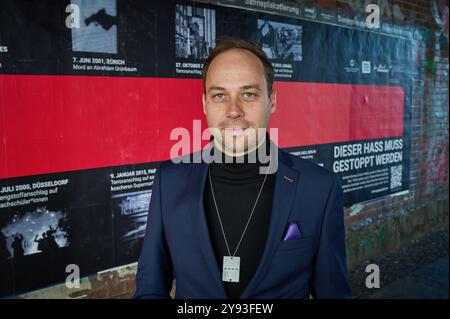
(236, 101)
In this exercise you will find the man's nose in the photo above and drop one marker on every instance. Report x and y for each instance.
(234, 109)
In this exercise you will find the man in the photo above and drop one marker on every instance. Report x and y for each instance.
(229, 230)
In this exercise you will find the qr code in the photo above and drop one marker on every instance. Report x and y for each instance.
(396, 176)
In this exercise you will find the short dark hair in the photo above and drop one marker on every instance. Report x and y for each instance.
(226, 43)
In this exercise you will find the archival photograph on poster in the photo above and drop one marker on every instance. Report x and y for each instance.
(32, 232)
(280, 41)
(97, 31)
(195, 31)
(130, 212)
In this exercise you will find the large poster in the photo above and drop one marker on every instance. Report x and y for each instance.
(91, 90)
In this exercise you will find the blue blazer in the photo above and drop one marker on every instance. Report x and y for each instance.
(177, 242)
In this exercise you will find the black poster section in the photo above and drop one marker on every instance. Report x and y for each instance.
(374, 168)
(96, 218)
(172, 39)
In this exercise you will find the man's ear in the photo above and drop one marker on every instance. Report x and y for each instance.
(273, 102)
(204, 103)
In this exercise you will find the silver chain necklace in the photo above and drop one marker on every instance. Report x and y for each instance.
(231, 263)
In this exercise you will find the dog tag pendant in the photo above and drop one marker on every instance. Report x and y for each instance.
(230, 271)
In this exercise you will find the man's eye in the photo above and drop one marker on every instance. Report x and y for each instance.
(219, 96)
(249, 95)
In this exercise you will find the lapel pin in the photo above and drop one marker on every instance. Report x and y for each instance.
(290, 180)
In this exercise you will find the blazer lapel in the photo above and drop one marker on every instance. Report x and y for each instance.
(199, 173)
(284, 194)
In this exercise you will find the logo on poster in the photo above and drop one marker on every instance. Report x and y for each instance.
(381, 68)
(310, 12)
(351, 68)
(365, 66)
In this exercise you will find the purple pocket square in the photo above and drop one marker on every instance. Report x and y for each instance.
(292, 232)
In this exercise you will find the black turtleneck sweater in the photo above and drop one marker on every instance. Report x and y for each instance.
(236, 186)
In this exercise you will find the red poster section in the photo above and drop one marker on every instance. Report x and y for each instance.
(62, 123)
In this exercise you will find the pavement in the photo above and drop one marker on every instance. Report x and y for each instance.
(419, 270)
(428, 282)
